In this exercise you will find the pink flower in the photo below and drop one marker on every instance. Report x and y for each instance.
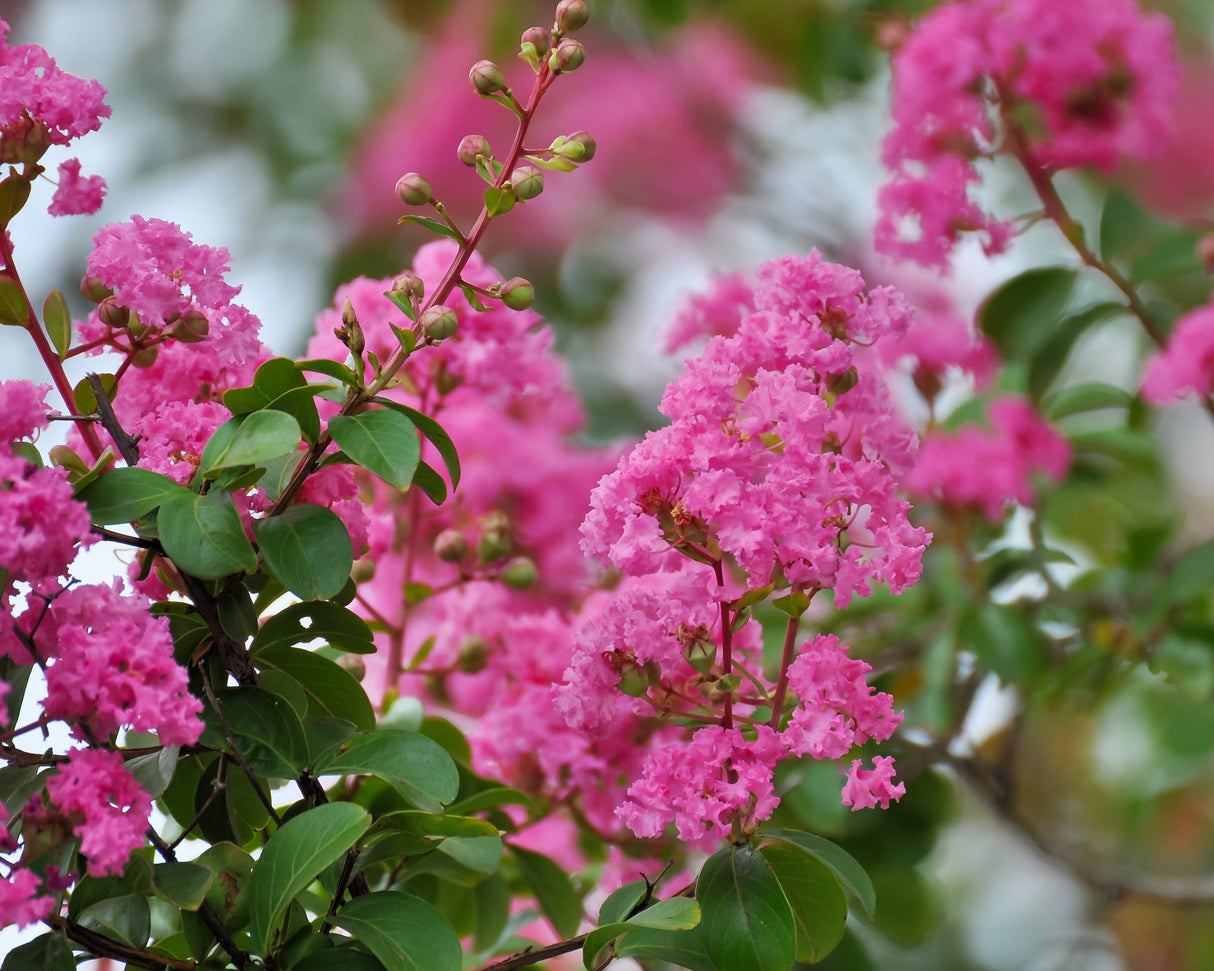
(76, 196)
(19, 903)
(108, 809)
(1186, 365)
(111, 665)
(22, 409)
(867, 788)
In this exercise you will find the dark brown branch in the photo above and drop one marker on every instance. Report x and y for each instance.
(107, 947)
(127, 446)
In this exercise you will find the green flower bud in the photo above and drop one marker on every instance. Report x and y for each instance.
(473, 654)
(486, 77)
(93, 290)
(520, 573)
(192, 327)
(495, 541)
(578, 147)
(439, 322)
(517, 293)
(527, 182)
(699, 649)
(470, 146)
(413, 190)
(112, 313)
(539, 39)
(634, 679)
(410, 284)
(571, 15)
(567, 57)
(145, 356)
(354, 665)
(364, 570)
(450, 546)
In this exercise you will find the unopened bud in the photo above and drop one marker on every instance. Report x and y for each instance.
(892, 32)
(354, 665)
(843, 383)
(439, 322)
(495, 541)
(571, 15)
(145, 356)
(539, 39)
(517, 293)
(567, 57)
(192, 327)
(93, 290)
(413, 190)
(470, 146)
(112, 313)
(364, 570)
(578, 147)
(1205, 252)
(527, 182)
(410, 284)
(486, 77)
(450, 546)
(520, 573)
(473, 654)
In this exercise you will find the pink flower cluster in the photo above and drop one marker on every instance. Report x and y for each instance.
(1059, 85)
(1186, 365)
(40, 106)
(989, 469)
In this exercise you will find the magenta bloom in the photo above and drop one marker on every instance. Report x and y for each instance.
(20, 904)
(76, 196)
(1186, 365)
(866, 788)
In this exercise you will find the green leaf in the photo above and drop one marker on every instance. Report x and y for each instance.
(498, 202)
(384, 442)
(1080, 398)
(851, 875)
(435, 434)
(47, 952)
(260, 437)
(204, 536)
(1004, 641)
(336, 626)
(266, 730)
(154, 771)
(431, 483)
(1125, 227)
(403, 931)
(1022, 313)
(184, 885)
(346, 958)
(417, 767)
(747, 922)
(675, 914)
(1048, 359)
(1192, 576)
(330, 690)
(333, 369)
(682, 949)
(86, 399)
(433, 225)
(58, 322)
(813, 891)
(217, 444)
(14, 192)
(126, 919)
(490, 798)
(557, 898)
(621, 903)
(14, 308)
(124, 495)
(308, 550)
(305, 845)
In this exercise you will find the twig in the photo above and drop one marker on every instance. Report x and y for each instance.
(127, 446)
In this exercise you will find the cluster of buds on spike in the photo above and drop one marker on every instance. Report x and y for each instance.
(496, 540)
(191, 327)
(350, 332)
(554, 47)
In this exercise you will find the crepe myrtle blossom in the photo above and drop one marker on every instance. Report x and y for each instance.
(1059, 85)
(1186, 364)
(76, 195)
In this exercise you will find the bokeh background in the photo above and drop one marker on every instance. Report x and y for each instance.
(1064, 823)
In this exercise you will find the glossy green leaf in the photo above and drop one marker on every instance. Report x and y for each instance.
(184, 885)
(1085, 397)
(14, 193)
(338, 959)
(620, 904)
(265, 728)
(154, 771)
(317, 620)
(681, 949)
(851, 874)
(674, 914)
(417, 767)
(1020, 316)
(273, 378)
(557, 898)
(747, 922)
(1192, 576)
(1048, 359)
(329, 689)
(57, 320)
(498, 202)
(816, 897)
(124, 495)
(86, 398)
(1004, 640)
(261, 437)
(490, 798)
(492, 897)
(308, 550)
(304, 846)
(431, 483)
(14, 308)
(434, 433)
(384, 442)
(126, 919)
(433, 225)
(403, 931)
(204, 535)
(217, 444)
(47, 952)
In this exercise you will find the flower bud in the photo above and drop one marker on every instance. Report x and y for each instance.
(486, 77)
(439, 322)
(112, 313)
(473, 654)
(571, 15)
(354, 664)
(517, 293)
(520, 573)
(450, 546)
(93, 290)
(145, 356)
(567, 57)
(527, 182)
(410, 284)
(364, 570)
(413, 190)
(192, 327)
(446, 380)
(470, 146)
(843, 383)
(495, 541)
(578, 147)
(539, 39)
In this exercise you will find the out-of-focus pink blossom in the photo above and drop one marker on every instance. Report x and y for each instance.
(107, 808)
(1186, 365)
(76, 196)
(20, 904)
(989, 469)
(867, 788)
